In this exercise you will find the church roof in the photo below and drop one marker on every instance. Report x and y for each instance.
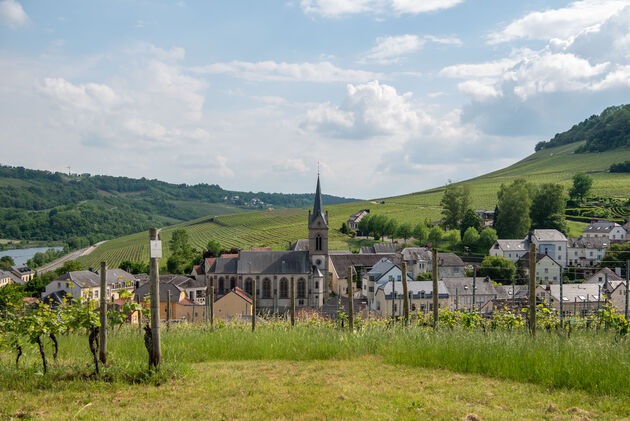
(274, 262)
(318, 206)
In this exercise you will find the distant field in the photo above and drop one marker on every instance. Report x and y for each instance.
(277, 228)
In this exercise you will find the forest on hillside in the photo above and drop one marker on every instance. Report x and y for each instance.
(609, 130)
(83, 209)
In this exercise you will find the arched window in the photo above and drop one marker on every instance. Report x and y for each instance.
(266, 288)
(221, 285)
(232, 283)
(248, 286)
(318, 242)
(301, 288)
(284, 288)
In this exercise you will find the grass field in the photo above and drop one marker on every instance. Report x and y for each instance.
(315, 372)
(277, 228)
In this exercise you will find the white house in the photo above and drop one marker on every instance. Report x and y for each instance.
(510, 249)
(383, 271)
(551, 242)
(586, 252)
(605, 229)
(86, 284)
(418, 259)
(548, 271)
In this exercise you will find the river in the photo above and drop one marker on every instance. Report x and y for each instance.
(20, 256)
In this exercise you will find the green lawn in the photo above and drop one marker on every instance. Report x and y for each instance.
(277, 228)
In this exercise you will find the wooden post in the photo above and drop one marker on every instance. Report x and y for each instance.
(561, 300)
(210, 297)
(532, 288)
(456, 299)
(292, 301)
(254, 304)
(154, 277)
(139, 314)
(102, 350)
(194, 311)
(168, 310)
(627, 286)
(434, 251)
(474, 288)
(350, 299)
(406, 293)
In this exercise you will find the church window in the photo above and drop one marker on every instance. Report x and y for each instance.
(316, 285)
(221, 285)
(284, 288)
(318, 242)
(248, 286)
(301, 288)
(232, 283)
(266, 288)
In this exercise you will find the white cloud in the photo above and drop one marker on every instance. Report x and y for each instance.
(12, 14)
(298, 72)
(479, 89)
(337, 8)
(391, 48)
(90, 96)
(487, 69)
(563, 23)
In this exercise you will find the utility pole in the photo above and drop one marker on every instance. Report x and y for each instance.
(102, 351)
(254, 304)
(406, 294)
(532, 288)
(154, 277)
(627, 286)
(293, 301)
(350, 300)
(434, 251)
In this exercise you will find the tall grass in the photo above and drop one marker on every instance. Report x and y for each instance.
(596, 362)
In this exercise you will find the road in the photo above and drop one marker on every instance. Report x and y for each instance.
(70, 256)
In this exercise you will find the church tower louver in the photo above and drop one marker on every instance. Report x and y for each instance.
(318, 242)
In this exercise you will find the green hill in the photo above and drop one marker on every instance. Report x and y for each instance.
(277, 228)
(84, 209)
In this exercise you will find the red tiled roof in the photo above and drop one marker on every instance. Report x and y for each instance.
(30, 300)
(229, 255)
(243, 294)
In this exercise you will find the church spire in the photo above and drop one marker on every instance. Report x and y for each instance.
(318, 206)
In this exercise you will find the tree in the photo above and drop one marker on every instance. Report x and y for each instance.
(182, 253)
(455, 202)
(377, 225)
(421, 233)
(214, 248)
(582, 184)
(486, 239)
(6, 262)
(344, 228)
(548, 206)
(471, 237)
(405, 231)
(453, 238)
(435, 235)
(514, 204)
(616, 256)
(364, 225)
(470, 219)
(498, 269)
(391, 228)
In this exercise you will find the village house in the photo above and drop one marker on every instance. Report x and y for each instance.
(341, 261)
(551, 242)
(508, 297)
(383, 271)
(587, 251)
(418, 260)
(450, 265)
(237, 303)
(172, 291)
(378, 248)
(605, 229)
(510, 249)
(6, 278)
(616, 295)
(87, 284)
(604, 275)
(547, 269)
(23, 272)
(460, 291)
(355, 218)
(577, 299)
(388, 299)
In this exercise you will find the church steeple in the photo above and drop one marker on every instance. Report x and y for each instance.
(318, 206)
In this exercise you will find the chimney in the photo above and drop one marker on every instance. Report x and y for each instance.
(618, 272)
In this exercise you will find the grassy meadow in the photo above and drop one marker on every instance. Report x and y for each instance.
(317, 371)
(276, 228)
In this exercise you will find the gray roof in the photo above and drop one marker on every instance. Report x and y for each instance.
(356, 217)
(224, 265)
(509, 245)
(417, 253)
(605, 274)
(415, 288)
(548, 235)
(376, 248)
(464, 285)
(341, 262)
(173, 283)
(117, 275)
(601, 226)
(449, 259)
(381, 267)
(575, 292)
(273, 262)
(300, 245)
(589, 243)
(12, 276)
(512, 291)
(524, 259)
(81, 278)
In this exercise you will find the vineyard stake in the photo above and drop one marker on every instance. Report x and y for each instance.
(350, 299)
(254, 304)
(154, 276)
(434, 251)
(292, 301)
(532, 288)
(102, 352)
(168, 310)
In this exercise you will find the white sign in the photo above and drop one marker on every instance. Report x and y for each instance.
(156, 249)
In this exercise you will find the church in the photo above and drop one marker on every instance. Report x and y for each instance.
(305, 263)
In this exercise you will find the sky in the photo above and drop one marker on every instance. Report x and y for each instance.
(386, 97)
